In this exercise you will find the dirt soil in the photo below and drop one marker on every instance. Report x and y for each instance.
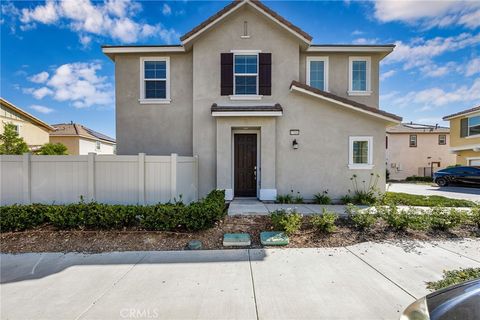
(47, 239)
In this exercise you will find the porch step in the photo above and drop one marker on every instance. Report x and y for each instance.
(274, 238)
(236, 240)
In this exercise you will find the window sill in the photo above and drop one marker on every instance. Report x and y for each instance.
(359, 93)
(154, 101)
(246, 97)
(360, 166)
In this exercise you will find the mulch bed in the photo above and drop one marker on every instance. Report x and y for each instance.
(47, 239)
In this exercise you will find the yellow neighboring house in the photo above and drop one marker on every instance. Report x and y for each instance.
(34, 131)
(465, 136)
(81, 140)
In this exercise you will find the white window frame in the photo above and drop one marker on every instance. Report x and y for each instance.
(468, 125)
(410, 141)
(246, 96)
(98, 145)
(368, 90)
(360, 166)
(325, 70)
(144, 100)
(445, 141)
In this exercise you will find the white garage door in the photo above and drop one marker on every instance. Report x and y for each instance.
(474, 162)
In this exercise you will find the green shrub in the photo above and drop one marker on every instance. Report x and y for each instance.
(322, 198)
(445, 219)
(417, 219)
(285, 198)
(365, 193)
(346, 199)
(420, 179)
(289, 222)
(298, 199)
(19, 217)
(453, 277)
(195, 216)
(475, 216)
(324, 222)
(361, 219)
(395, 218)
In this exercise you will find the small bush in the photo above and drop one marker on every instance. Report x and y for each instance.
(475, 216)
(324, 222)
(289, 222)
(365, 193)
(453, 277)
(445, 219)
(322, 198)
(419, 179)
(395, 218)
(298, 199)
(346, 199)
(285, 198)
(19, 218)
(361, 219)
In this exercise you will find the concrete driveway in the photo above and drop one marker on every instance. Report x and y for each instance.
(465, 193)
(364, 281)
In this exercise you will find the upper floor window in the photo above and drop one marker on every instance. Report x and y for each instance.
(155, 80)
(246, 74)
(413, 140)
(442, 139)
(317, 72)
(359, 76)
(97, 145)
(474, 125)
(360, 153)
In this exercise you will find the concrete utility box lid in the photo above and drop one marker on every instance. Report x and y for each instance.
(236, 239)
(194, 245)
(273, 238)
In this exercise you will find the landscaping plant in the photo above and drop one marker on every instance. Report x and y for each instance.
(395, 218)
(285, 198)
(475, 216)
(11, 142)
(287, 221)
(453, 277)
(424, 201)
(365, 193)
(322, 198)
(361, 219)
(346, 199)
(324, 222)
(445, 219)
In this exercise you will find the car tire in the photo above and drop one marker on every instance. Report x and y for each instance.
(441, 182)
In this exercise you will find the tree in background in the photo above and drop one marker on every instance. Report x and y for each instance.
(11, 142)
(51, 149)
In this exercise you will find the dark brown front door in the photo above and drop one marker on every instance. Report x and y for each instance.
(245, 165)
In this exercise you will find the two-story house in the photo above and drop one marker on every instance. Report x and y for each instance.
(265, 109)
(415, 149)
(465, 136)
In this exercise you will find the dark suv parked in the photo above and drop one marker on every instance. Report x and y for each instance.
(460, 175)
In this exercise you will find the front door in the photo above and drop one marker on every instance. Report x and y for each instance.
(245, 164)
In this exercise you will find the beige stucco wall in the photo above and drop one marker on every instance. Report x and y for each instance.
(406, 160)
(464, 156)
(456, 140)
(33, 134)
(71, 143)
(338, 75)
(156, 129)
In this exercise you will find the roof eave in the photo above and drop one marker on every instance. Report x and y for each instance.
(28, 115)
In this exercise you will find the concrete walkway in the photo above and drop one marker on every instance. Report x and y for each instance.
(462, 193)
(257, 207)
(365, 281)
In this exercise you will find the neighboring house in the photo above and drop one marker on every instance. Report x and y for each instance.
(465, 136)
(417, 150)
(81, 140)
(265, 110)
(34, 131)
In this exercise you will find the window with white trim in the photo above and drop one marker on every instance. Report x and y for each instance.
(442, 139)
(412, 141)
(317, 72)
(245, 74)
(97, 145)
(360, 152)
(155, 80)
(474, 125)
(359, 76)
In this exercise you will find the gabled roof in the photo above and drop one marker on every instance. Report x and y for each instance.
(233, 6)
(27, 115)
(78, 130)
(417, 128)
(462, 113)
(301, 87)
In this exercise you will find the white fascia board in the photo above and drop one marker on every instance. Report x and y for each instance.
(111, 50)
(247, 114)
(349, 49)
(345, 105)
(466, 147)
(475, 112)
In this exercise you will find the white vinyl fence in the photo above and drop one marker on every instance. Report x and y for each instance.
(110, 179)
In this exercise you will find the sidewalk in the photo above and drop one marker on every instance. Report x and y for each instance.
(364, 281)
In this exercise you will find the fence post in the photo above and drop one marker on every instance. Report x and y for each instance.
(27, 197)
(173, 176)
(195, 176)
(141, 178)
(91, 176)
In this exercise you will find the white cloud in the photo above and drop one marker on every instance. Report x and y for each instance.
(427, 99)
(112, 18)
(420, 52)
(77, 83)
(357, 32)
(430, 13)
(387, 74)
(166, 10)
(365, 41)
(41, 109)
(39, 77)
(473, 67)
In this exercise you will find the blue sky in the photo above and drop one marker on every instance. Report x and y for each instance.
(52, 65)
